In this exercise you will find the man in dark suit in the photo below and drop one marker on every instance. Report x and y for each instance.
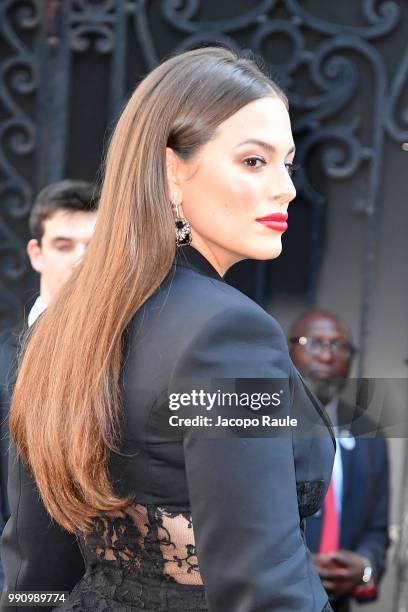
(349, 536)
(62, 221)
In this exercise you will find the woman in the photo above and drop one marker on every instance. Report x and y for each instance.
(203, 150)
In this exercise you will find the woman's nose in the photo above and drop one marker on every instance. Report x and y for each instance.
(283, 189)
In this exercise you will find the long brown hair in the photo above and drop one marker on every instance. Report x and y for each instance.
(66, 410)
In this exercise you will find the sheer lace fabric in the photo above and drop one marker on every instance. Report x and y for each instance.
(141, 560)
(146, 541)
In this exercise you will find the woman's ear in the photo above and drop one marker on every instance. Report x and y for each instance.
(173, 176)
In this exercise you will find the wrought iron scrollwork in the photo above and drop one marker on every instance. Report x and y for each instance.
(399, 86)
(182, 18)
(328, 53)
(17, 140)
(382, 21)
(88, 20)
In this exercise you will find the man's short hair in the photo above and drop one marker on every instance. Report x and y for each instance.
(70, 195)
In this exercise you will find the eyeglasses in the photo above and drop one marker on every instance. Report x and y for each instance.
(316, 345)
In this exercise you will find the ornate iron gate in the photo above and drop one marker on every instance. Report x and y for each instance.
(68, 65)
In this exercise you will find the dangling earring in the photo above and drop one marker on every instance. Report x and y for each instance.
(183, 230)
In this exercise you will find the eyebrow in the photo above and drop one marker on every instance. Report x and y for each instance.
(265, 145)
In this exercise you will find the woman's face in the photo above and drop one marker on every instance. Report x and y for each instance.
(239, 178)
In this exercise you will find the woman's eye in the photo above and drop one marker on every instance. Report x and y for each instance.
(291, 168)
(254, 162)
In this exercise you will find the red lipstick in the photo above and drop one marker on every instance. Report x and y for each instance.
(275, 221)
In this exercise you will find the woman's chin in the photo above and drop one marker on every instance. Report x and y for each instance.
(264, 252)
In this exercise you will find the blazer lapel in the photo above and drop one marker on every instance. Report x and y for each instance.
(320, 410)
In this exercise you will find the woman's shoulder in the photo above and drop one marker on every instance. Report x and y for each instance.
(194, 300)
(197, 323)
(192, 310)
(213, 318)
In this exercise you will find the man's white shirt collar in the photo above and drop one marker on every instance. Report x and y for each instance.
(38, 308)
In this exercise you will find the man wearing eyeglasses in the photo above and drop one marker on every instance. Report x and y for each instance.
(349, 536)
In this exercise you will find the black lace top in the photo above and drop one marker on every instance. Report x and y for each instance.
(141, 559)
(148, 542)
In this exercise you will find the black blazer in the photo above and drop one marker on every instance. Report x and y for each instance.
(9, 342)
(365, 499)
(248, 496)
(8, 352)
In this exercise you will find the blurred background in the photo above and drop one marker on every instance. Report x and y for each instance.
(66, 70)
